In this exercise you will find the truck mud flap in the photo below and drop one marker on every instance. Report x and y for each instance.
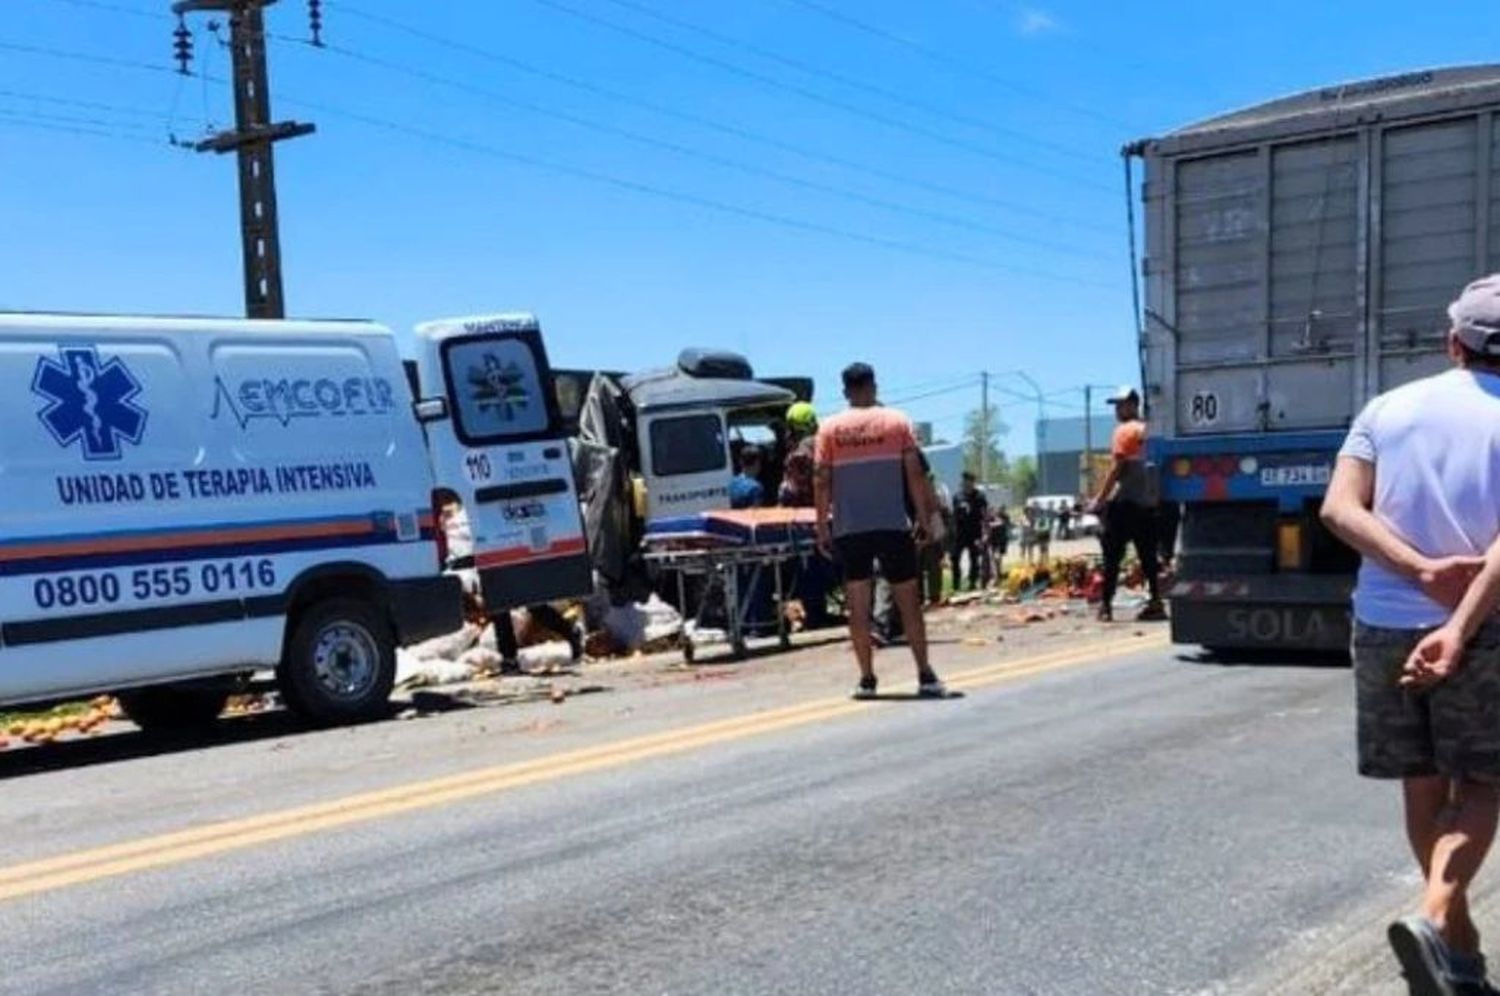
(1260, 626)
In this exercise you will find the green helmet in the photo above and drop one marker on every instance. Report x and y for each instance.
(802, 417)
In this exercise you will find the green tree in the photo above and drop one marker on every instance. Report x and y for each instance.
(982, 436)
(1022, 478)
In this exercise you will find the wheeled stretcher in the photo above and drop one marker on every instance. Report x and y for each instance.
(731, 552)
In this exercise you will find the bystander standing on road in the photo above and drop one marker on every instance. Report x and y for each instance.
(797, 475)
(1028, 534)
(1415, 492)
(939, 537)
(932, 546)
(867, 465)
(970, 512)
(999, 540)
(813, 575)
(1043, 539)
(1127, 508)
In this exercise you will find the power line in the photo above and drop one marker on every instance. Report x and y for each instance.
(968, 384)
(721, 126)
(71, 119)
(101, 60)
(725, 162)
(937, 420)
(923, 385)
(11, 120)
(695, 200)
(622, 183)
(940, 58)
(1010, 135)
(811, 95)
(91, 105)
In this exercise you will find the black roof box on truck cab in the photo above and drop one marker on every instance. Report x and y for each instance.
(715, 363)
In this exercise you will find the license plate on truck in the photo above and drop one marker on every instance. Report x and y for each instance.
(1298, 474)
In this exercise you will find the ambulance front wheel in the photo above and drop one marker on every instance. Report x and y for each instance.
(340, 663)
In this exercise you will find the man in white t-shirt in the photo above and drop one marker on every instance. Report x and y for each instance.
(1417, 492)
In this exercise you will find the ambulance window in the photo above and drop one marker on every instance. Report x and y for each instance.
(692, 444)
(497, 389)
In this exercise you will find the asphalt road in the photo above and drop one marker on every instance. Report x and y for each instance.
(1138, 825)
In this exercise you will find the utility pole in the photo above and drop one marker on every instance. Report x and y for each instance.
(984, 422)
(251, 140)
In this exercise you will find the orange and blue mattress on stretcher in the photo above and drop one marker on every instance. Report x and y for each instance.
(737, 528)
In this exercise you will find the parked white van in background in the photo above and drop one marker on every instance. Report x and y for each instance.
(186, 501)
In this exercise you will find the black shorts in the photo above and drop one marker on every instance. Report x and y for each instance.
(896, 551)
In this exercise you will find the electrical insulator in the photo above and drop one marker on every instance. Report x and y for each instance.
(182, 47)
(315, 21)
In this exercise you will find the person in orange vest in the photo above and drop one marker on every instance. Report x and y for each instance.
(1127, 506)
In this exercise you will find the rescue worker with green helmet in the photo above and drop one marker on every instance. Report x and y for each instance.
(815, 573)
(797, 477)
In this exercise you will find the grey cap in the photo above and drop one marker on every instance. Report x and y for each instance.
(1476, 315)
(1125, 393)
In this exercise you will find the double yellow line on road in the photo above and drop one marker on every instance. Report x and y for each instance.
(49, 874)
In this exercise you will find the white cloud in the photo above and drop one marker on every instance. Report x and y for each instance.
(1032, 21)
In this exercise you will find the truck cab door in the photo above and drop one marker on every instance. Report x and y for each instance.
(497, 441)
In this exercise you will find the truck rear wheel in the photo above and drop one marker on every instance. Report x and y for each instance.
(172, 709)
(340, 663)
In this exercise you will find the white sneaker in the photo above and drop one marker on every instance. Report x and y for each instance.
(932, 687)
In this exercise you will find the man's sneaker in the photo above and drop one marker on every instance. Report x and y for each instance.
(1469, 976)
(865, 689)
(930, 686)
(1106, 614)
(1422, 955)
(1153, 611)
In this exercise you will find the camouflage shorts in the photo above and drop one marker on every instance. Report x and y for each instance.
(1452, 729)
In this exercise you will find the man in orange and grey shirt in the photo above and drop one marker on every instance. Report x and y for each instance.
(867, 465)
(1127, 504)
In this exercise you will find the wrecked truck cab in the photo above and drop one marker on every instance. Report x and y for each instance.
(684, 418)
(658, 444)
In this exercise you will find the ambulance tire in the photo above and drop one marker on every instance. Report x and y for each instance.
(168, 709)
(340, 663)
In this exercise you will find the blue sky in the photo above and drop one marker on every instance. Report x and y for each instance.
(933, 187)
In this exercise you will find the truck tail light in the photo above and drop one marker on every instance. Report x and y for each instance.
(1289, 546)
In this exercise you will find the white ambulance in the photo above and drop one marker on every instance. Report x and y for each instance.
(185, 502)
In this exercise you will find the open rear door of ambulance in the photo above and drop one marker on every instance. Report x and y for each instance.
(498, 442)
